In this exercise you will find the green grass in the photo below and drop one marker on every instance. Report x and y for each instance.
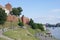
(9, 24)
(2, 39)
(32, 31)
(20, 34)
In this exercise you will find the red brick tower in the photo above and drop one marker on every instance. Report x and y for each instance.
(8, 6)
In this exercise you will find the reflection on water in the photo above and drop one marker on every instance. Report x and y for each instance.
(55, 31)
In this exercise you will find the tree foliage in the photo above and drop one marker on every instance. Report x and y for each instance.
(40, 26)
(17, 11)
(20, 9)
(31, 22)
(36, 25)
(3, 16)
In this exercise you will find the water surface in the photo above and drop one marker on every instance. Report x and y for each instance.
(55, 32)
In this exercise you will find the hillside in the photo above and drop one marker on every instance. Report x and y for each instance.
(20, 34)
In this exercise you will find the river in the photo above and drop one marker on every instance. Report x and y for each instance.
(55, 31)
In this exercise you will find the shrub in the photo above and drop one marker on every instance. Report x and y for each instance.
(40, 26)
(20, 23)
(36, 25)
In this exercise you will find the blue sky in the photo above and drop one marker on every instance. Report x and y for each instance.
(42, 11)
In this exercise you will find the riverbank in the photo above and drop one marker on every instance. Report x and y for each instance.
(44, 36)
(26, 34)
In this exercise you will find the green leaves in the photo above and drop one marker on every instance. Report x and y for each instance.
(3, 16)
(36, 25)
(17, 11)
(31, 22)
(20, 9)
(40, 26)
(20, 23)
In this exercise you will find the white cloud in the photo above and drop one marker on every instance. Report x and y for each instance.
(47, 19)
(55, 10)
(53, 16)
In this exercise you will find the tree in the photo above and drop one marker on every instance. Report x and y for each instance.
(40, 26)
(31, 22)
(20, 9)
(3, 16)
(17, 11)
(36, 25)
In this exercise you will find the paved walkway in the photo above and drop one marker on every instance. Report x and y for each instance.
(1, 35)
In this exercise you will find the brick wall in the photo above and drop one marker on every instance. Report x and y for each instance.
(25, 20)
(12, 18)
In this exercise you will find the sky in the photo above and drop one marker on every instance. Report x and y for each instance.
(41, 11)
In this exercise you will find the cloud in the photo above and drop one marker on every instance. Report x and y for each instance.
(47, 19)
(53, 16)
(55, 10)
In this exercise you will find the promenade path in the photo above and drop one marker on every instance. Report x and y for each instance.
(2, 36)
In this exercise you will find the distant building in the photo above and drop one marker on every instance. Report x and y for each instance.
(7, 8)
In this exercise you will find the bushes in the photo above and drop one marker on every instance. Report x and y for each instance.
(36, 25)
(32, 24)
(40, 26)
(20, 23)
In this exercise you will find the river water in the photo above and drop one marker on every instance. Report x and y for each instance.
(55, 31)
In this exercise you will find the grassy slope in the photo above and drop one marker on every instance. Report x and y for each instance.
(2, 39)
(9, 24)
(32, 31)
(20, 34)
